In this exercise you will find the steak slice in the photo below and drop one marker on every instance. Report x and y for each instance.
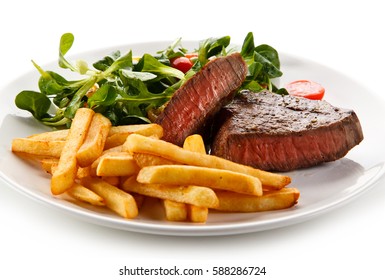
(201, 97)
(282, 133)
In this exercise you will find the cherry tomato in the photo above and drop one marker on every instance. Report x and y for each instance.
(306, 88)
(191, 55)
(181, 63)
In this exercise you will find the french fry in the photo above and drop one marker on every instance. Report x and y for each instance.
(112, 180)
(196, 214)
(38, 147)
(83, 172)
(194, 143)
(115, 149)
(140, 144)
(144, 160)
(117, 164)
(117, 200)
(273, 200)
(54, 135)
(64, 176)
(83, 194)
(200, 176)
(118, 167)
(175, 211)
(153, 130)
(200, 196)
(93, 144)
(49, 164)
(94, 165)
(118, 134)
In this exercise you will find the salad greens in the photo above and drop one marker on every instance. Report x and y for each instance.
(124, 88)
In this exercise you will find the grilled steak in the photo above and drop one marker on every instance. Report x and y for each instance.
(283, 133)
(201, 97)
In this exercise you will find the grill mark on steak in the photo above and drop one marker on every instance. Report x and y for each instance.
(283, 133)
(201, 97)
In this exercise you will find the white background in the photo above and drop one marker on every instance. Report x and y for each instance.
(347, 243)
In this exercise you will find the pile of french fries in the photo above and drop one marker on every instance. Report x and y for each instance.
(118, 167)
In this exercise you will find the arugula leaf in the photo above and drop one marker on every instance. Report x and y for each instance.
(143, 76)
(212, 47)
(107, 61)
(140, 99)
(170, 52)
(120, 63)
(150, 64)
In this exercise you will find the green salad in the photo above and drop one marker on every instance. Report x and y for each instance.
(125, 88)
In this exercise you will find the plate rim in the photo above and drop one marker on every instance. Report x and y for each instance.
(176, 229)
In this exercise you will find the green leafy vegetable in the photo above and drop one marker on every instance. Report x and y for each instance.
(212, 47)
(35, 102)
(150, 64)
(125, 89)
(264, 65)
(66, 42)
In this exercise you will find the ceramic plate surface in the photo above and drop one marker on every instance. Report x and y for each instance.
(322, 188)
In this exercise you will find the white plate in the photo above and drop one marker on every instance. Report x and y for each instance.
(322, 188)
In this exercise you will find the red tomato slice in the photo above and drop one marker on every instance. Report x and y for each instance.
(181, 63)
(306, 88)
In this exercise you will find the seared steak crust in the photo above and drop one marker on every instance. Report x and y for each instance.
(283, 133)
(201, 97)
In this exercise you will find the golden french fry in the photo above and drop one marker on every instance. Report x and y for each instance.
(38, 147)
(200, 176)
(194, 143)
(272, 200)
(197, 214)
(140, 144)
(117, 164)
(175, 211)
(144, 160)
(64, 176)
(83, 172)
(118, 134)
(115, 149)
(54, 135)
(200, 196)
(119, 167)
(93, 144)
(112, 180)
(117, 200)
(152, 129)
(49, 164)
(94, 165)
(83, 194)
